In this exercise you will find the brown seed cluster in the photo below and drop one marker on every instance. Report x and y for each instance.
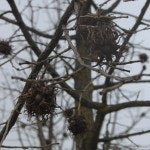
(143, 57)
(40, 100)
(5, 48)
(77, 123)
(100, 36)
(68, 113)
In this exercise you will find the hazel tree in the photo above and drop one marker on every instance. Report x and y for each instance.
(71, 74)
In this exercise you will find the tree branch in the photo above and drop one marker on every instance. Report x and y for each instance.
(123, 136)
(15, 113)
(121, 106)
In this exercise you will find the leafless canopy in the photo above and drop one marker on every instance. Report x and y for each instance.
(74, 74)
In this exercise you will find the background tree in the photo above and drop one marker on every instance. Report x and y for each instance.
(71, 74)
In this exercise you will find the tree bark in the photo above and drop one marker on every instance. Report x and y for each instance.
(83, 87)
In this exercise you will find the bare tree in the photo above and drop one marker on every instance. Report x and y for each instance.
(71, 75)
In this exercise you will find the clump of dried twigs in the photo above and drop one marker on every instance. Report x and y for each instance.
(100, 36)
(40, 100)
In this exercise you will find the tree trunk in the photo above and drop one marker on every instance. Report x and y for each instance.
(83, 86)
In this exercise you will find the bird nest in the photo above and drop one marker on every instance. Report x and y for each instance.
(100, 36)
(40, 100)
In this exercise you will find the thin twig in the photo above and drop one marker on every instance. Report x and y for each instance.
(27, 147)
(123, 136)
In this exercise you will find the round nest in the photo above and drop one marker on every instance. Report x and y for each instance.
(40, 100)
(100, 36)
